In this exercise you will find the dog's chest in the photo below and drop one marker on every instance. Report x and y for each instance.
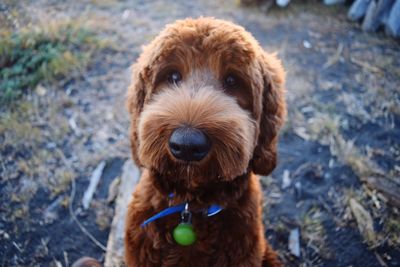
(219, 239)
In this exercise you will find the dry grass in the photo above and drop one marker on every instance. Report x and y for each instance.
(42, 54)
(28, 142)
(323, 123)
(325, 129)
(391, 230)
(313, 233)
(15, 127)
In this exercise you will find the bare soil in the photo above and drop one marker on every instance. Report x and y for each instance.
(343, 129)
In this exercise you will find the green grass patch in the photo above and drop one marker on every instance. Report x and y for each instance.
(42, 54)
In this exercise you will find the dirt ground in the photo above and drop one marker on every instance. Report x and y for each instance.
(337, 181)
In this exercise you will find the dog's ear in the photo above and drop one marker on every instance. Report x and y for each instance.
(273, 112)
(135, 101)
(141, 86)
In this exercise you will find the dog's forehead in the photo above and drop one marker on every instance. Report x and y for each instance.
(210, 39)
(204, 52)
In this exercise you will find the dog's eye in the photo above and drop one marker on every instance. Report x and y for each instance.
(174, 77)
(230, 81)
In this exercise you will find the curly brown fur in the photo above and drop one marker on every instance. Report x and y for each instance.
(242, 123)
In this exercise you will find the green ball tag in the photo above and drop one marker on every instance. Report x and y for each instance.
(184, 234)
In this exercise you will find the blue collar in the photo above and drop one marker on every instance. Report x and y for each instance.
(210, 211)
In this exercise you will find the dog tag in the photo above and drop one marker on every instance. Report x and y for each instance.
(184, 234)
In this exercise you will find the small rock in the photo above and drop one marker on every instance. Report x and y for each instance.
(307, 44)
(125, 14)
(41, 90)
(282, 3)
(4, 234)
(51, 145)
(331, 163)
(286, 181)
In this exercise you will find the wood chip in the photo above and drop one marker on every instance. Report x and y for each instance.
(302, 133)
(115, 245)
(294, 242)
(364, 221)
(94, 181)
(113, 190)
(74, 126)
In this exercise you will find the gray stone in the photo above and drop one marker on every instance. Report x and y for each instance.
(282, 3)
(393, 22)
(333, 2)
(358, 9)
(377, 10)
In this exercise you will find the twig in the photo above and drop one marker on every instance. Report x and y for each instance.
(364, 222)
(381, 261)
(2, 165)
(83, 229)
(366, 65)
(66, 258)
(74, 126)
(17, 247)
(301, 168)
(71, 211)
(335, 58)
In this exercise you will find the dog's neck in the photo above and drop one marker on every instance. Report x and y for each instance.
(219, 192)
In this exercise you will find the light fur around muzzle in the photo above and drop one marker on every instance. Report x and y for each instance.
(229, 127)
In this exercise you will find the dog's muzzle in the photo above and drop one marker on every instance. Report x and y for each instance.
(189, 144)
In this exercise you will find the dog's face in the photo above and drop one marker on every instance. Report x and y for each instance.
(206, 103)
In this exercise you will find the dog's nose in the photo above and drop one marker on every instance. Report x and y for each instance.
(189, 144)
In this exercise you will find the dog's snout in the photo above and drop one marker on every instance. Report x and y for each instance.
(189, 144)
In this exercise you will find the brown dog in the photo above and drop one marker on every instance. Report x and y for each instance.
(206, 104)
